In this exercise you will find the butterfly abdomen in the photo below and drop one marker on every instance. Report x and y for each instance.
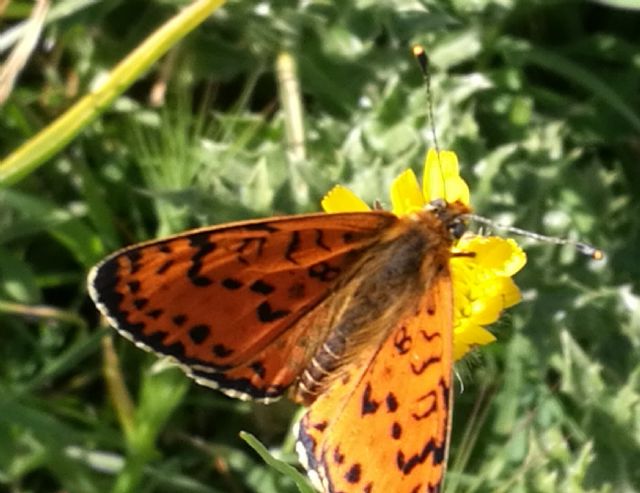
(381, 289)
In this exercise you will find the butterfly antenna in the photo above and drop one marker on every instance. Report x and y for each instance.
(583, 248)
(423, 62)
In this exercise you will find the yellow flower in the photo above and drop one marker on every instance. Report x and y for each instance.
(482, 284)
(482, 288)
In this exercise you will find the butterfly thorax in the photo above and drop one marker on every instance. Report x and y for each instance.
(381, 289)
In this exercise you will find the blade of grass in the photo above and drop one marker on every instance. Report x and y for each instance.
(33, 153)
(621, 4)
(161, 393)
(41, 312)
(117, 388)
(282, 467)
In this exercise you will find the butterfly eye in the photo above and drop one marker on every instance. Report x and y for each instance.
(457, 228)
(437, 205)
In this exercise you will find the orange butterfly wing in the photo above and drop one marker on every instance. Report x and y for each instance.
(224, 301)
(384, 427)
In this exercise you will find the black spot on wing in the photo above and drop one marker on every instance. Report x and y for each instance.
(422, 367)
(369, 406)
(445, 391)
(348, 238)
(320, 240)
(164, 267)
(262, 287)
(140, 303)
(402, 341)
(199, 333)
(155, 341)
(320, 426)
(293, 247)
(155, 314)
(231, 283)
(134, 286)
(134, 257)
(338, 456)
(221, 350)
(196, 279)
(429, 337)
(258, 368)
(396, 431)
(392, 402)
(204, 246)
(431, 448)
(267, 314)
(179, 319)
(323, 271)
(202, 241)
(354, 474)
(261, 227)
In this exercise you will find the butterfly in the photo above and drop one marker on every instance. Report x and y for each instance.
(350, 313)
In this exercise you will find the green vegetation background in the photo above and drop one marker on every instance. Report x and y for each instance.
(540, 100)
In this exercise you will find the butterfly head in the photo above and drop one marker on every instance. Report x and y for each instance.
(453, 216)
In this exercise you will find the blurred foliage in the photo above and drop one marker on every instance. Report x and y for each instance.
(540, 101)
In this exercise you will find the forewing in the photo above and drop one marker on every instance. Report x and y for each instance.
(215, 298)
(386, 427)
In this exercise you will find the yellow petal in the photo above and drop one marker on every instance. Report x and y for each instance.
(509, 292)
(341, 199)
(468, 338)
(502, 256)
(485, 311)
(442, 178)
(406, 196)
